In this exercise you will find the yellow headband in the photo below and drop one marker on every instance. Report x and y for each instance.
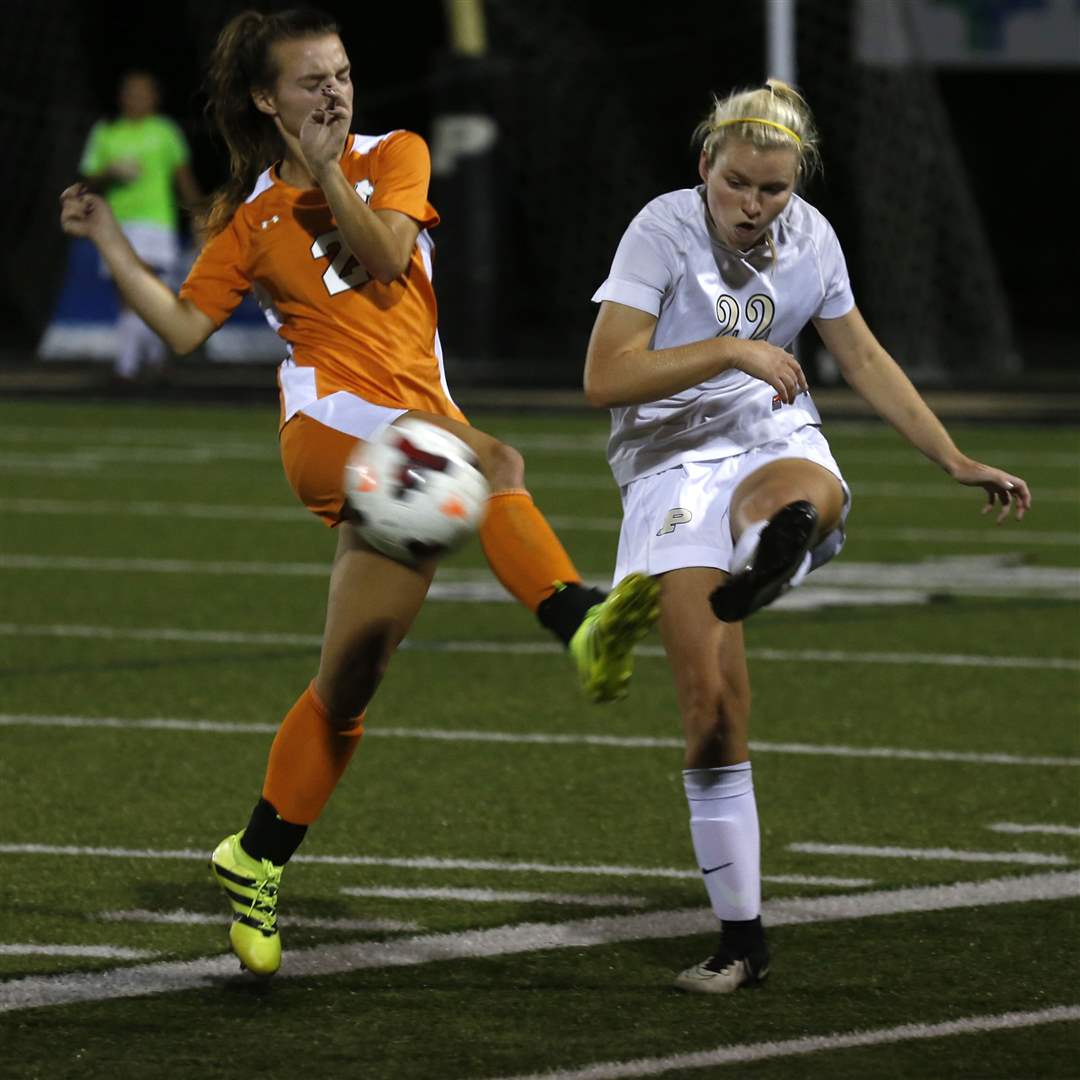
(760, 120)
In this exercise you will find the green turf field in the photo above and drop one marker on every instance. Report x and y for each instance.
(503, 885)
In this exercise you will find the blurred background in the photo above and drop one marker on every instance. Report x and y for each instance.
(945, 126)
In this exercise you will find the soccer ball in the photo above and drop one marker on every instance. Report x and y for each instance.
(415, 491)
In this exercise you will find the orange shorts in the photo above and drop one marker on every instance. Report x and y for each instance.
(314, 456)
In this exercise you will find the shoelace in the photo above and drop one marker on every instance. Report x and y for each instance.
(267, 893)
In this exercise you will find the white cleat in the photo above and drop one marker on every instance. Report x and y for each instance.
(721, 974)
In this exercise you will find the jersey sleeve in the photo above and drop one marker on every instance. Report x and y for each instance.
(402, 175)
(838, 298)
(644, 266)
(219, 279)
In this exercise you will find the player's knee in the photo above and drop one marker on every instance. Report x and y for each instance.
(766, 500)
(504, 467)
(715, 712)
(348, 682)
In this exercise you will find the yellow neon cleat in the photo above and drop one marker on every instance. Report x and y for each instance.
(603, 645)
(252, 889)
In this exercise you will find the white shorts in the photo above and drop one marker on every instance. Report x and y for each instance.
(157, 245)
(680, 517)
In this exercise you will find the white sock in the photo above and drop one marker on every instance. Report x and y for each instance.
(151, 348)
(724, 829)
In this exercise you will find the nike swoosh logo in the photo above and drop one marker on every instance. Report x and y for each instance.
(713, 869)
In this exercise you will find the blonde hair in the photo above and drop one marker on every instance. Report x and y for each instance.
(772, 117)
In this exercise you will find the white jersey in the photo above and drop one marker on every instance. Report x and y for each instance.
(671, 265)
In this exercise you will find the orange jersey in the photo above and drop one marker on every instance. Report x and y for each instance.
(344, 330)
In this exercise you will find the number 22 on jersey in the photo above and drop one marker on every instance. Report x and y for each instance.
(759, 309)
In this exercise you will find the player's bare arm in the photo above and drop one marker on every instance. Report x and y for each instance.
(382, 241)
(876, 377)
(181, 325)
(621, 369)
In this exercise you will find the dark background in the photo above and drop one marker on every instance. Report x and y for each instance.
(595, 108)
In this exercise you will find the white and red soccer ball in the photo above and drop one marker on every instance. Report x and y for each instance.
(415, 491)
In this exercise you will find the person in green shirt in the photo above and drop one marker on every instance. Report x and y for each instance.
(140, 162)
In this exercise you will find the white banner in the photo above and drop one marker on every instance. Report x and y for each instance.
(969, 33)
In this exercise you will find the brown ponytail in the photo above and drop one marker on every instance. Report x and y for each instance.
(240, 63)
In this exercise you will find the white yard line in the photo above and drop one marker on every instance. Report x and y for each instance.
(993, 574)
(533, 648)
(838, 656)
(852, 587)
(947, 490)
(97, 952)
(162, 633)
(170, 456)
(323, 960)
(585, 442)
(126, 565)
(198, 918)
(284, 513)
(1050, 830)
(744, 1053)
(157, 438)
(881, 490)
(32, 463)
(1026, 858)
(1013, 534)
(904, 754)
(430, 862)
(292, 513)
(519, 738)
(494, 896)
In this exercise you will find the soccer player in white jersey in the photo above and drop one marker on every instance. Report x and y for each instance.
(730, 493)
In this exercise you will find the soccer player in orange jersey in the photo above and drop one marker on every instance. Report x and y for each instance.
(330, 231)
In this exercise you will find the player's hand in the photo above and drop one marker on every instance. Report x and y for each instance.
(82, 213)
(1002, 489)
(323, 132)
(772, 365)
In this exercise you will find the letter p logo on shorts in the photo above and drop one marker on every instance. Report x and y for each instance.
(676, 516)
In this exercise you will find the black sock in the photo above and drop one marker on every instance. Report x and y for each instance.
(269, 836)
(742, 937)
(563, 611)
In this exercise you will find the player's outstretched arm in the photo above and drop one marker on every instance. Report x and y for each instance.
(180, 324)
(876, 377)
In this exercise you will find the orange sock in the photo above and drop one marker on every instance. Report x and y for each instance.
(522, 550)
(307, 759)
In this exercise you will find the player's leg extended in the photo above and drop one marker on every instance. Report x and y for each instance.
(528, 558)
(372, 603)
(778, 513)
(712, 685)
